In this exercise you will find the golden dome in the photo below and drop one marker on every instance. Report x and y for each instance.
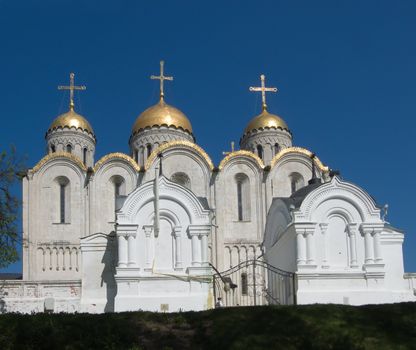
(162, 114)
(71, 119)
(266, 120)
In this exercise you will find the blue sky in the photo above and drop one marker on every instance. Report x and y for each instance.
(345, 70)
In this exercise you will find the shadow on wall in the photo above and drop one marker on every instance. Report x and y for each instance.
(109, 260)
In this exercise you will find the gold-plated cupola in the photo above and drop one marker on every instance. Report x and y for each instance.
(265, 120)
(71, 119)
(162, 114)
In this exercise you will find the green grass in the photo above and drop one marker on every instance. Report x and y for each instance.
(265, 327)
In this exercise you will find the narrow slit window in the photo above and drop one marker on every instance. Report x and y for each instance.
(244, 284)
(276, 148)
(260, 151)
(69, 148)
(240, 200)
(243, 197)
(119, 188)
(62, 203)
(84, 156)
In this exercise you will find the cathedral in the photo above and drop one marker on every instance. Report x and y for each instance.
(165, 229)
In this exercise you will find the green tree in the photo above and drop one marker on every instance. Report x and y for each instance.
(12, 169)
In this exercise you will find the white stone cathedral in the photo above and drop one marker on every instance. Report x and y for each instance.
(148, 230)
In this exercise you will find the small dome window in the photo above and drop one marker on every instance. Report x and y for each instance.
(260, 151)
(149, 150)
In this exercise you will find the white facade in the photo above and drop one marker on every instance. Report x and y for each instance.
(104, 236)
(333, 237)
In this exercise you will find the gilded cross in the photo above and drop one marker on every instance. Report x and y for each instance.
(232, 149)
(263, 90)
(71, 89)
(162, 78)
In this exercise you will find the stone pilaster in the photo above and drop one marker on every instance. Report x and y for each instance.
(352, 230)
(324, 228)
(373, 257)
(126, 245)
(199, 238)
(305, 244)
(178, 247)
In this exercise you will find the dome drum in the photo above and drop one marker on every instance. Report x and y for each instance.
(265, 135)
(72, 133)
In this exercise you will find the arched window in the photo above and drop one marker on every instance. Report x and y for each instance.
(53, 148)
(149, 150)
(244, 284)
(64, 199)
(84, 156)
(119, 186)
(181, 179)
(260, 151)
(276, 148)
(243, 197)
(69, 148)
(296, 182)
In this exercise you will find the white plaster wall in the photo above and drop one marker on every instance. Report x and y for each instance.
(29, 297)
(392, 252)
(230, 228)
(278, 180)
(102, 194)
(186, 161)
(52, 247)
(98, 268)
(283, 253)
(152, 280)
(164, 245)
(337, 213)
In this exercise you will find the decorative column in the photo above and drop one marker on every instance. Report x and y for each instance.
(374, 266)
(178, 248)
(131, 250)
(196, 250)
(300, 248)
(352, 229)
(126, 245)
(199, 235)
(378, 259)
(366, 231)
(305, 244)
(324, 227)
(149, 253)
(204, 249)
(122, 251)
(310, 248)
